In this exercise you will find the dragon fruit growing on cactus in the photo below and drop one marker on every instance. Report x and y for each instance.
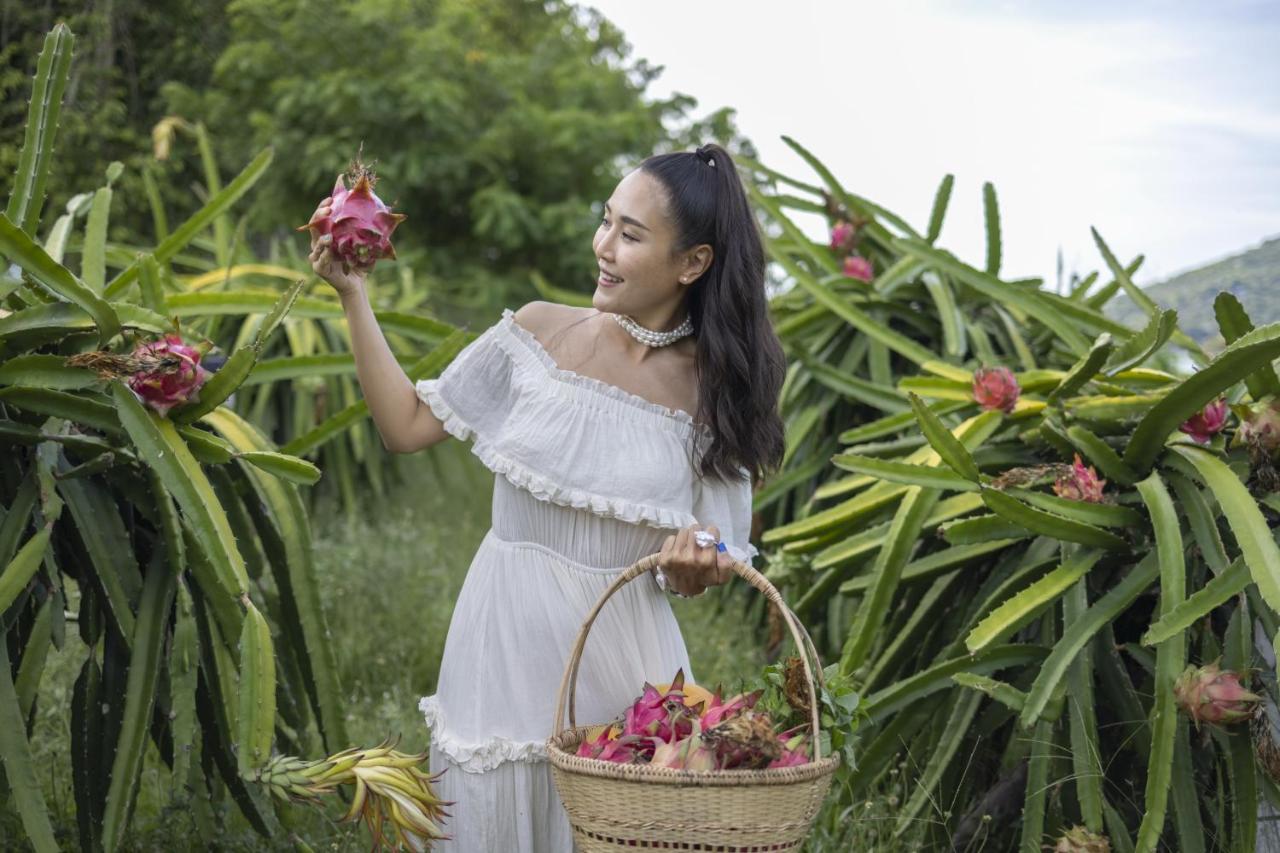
(169, 373)
(359, 222)
(1212, 695)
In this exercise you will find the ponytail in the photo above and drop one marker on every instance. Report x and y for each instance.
(740, 361)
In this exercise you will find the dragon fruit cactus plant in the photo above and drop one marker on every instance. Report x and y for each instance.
(358, 221)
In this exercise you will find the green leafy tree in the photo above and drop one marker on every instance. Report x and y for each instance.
(495, 125)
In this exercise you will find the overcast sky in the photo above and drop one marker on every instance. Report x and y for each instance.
(1156, 122)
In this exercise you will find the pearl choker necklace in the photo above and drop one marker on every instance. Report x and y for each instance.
(649, 337)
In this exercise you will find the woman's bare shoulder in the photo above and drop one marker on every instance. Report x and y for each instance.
(545, 319)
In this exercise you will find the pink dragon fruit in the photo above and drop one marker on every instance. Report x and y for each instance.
(171, 373)
(1260, 425)
(842, 234)
(1206, 423)
(995, 388)
(795, 749)
(719, 709)
(687, 753)
(1082, 484)
(359, 222)
(1212, 695)
(856, 266)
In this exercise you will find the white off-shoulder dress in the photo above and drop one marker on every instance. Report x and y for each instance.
(588, 479)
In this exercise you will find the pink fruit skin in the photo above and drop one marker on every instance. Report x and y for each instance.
(1206, 423)
(359, 223)
(1081, 485)
(841, 234)
(1211, 695)
(856, 266)
(995, 388)
(164, 389)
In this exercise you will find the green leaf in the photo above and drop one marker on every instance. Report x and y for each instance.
(947, 446)
(991, 215)
(902, 472)
(160, 446)
(93, 260)
(895, 423)
(35, 160)
(26, 253)
(1103, 611)
(1171, 656)
(221, 385)
(1030, 602)
(894, 698)
(58, 318)
(1103, 515)
(20, 771)
(430, 364)
(1234, 324)
(940, 200)
(1259, 549)
(870, 393)
(900, 542)
(1083, 370)
(1001, 292)
(1006, 694)
(200, 220)
(1143, 345)
(240, 302)
(1048, 524)
(147, 651)
(21, 569)
(283, 465)
(1086, 756)
(982, 528)
(278, 312)
(285, 524)
(1218, 591)
(948, 312)
(44, 371)
(1140, 298)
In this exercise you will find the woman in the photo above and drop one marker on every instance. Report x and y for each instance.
(613, 432)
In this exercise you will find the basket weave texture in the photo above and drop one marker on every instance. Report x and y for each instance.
(634, 806)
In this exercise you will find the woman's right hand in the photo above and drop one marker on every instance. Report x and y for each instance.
(329, 267)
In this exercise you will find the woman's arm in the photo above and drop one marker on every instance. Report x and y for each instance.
(404, 422)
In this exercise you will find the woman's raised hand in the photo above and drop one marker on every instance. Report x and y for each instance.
(326, 265)
(691, 568)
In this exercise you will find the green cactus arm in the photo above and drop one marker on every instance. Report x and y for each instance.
(1234, 323)
(1082, 720)
(1031, 601)
(1146, 343)
(939, 211)
(991, 219)
(34, 161)
(1101, 613)
(20, 770)
(1259, 549)
(187, 231)
(1214, 594)
(1171, 657)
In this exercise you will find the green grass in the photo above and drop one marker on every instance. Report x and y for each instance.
(389, 579)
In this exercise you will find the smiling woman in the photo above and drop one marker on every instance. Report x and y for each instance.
(613, 432)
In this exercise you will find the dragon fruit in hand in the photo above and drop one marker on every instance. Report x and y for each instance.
(358, 221)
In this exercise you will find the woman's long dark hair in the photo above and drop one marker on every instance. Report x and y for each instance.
(740, 361)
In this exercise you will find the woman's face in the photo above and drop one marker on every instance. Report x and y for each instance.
(634, 243)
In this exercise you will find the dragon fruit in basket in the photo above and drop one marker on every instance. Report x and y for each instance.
(683, 726)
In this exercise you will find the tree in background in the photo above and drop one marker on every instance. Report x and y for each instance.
(496, 125)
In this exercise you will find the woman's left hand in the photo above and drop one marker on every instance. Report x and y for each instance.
(691, 568)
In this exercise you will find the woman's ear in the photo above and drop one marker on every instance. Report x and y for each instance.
(697, 261)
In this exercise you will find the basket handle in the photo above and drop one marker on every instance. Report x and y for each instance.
(569, 682)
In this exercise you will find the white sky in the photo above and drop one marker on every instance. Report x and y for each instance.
(1156, 122)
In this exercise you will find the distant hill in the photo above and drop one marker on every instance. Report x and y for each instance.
(1253, 276)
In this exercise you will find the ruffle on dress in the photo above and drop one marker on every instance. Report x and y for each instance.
(479, 756)
(580, 442)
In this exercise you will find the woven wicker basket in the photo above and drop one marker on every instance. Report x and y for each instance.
(629, 806)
